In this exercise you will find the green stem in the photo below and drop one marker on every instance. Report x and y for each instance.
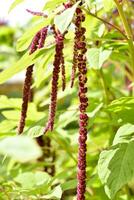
(124, 20)
(106, 92)
(128, 32)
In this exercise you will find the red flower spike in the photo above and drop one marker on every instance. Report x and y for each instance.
(43, 36)
(59, 38)
(37, 42)
(26, 91)
(63, 73)
(37, 13)
(80, 50)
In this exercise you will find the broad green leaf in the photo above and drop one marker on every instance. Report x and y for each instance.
(31, 180)
(20, 148)
(123, 108)
(124, 133)
(23, 63)
(25, 40)
(63, 20)
(97, 56)
(117, 161)
(115, 167)
(55, 194)
(14, 4)
(108, 5)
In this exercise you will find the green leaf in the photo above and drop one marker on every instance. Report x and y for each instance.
(9, 126)
(20, 148)
(115, 166)
(97, 56)
(108, 5)
(14, 4)
(23, 63)
(124, 133)
(6, 102)
(56, 193)
(69, 185)
(123, 108)
(42, 68)
(51, 5)
(63, 20)
(25, 40)
(31, 180)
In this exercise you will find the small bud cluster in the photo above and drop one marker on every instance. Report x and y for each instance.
(59, 39)
(79, 52)
(37, 42)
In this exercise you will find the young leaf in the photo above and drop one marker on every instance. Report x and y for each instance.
(97, 56)
(14, 4)
(63, 21)
(20, 148)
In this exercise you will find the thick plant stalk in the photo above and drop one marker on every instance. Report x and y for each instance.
(83, 118)
(59, 38)
(37, 42)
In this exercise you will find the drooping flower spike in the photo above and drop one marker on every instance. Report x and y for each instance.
(83, 117)
(37, 42)
(59, 39)
(63, 73)
(37, 13)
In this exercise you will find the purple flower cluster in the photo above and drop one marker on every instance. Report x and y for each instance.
(80, 50)
(59, 39)
(37, 42)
